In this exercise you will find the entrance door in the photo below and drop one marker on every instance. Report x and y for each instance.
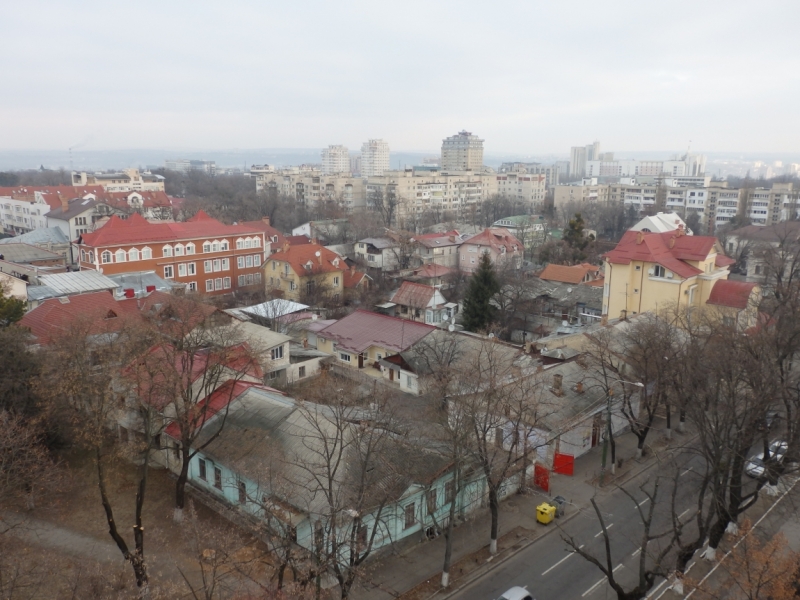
(360, 361)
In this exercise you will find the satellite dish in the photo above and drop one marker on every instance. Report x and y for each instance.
(491, 335)
(569, 290)
(317, 253)
(451, 328)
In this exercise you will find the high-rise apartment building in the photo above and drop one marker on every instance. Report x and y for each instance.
(335, 159)
(374, 158)
(579, 156)
(462, 152)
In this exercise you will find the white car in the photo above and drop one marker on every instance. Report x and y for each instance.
(516, 593)
(755, 466)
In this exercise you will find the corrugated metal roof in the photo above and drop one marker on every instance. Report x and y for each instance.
(45, 235)
(78, 282)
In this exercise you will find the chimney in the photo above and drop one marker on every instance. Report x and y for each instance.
(557, 381)
(579, 387)
(305, 342)
(672, 241)
(314, 241)
(639, 237)
(319, 258)
(623, 314)
(604, 320)
(265, 220)
(64, 203)
(286, 246)
(352, 269)
(452, 238)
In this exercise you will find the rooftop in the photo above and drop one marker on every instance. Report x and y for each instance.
(734, 294)
(359, 330)
(572, 274)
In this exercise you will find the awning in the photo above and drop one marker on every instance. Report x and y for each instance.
(386, 305)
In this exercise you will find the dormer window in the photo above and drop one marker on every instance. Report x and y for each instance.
(190, 248)
(335, 262)
(240, 244)
(166, 251)
(215, 246)
(133, 254)
(274, 239)
(147, 253)
(178, 249)
(120, 256)
(105, 257)
(659, 271)
(223, 245)
(256, 242)
(247, 243)
(206, 247)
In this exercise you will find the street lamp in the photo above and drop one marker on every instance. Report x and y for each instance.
(608, 434)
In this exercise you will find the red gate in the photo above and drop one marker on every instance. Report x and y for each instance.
(563, 463)
(541, 477)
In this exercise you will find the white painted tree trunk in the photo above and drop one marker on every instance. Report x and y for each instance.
(445, 579)
(709, 554)
(493, 547)
(638, 453)
(613, 468)
(681, 426)
(177, 515)
(677, 585)
(669, 434)
(732, 529)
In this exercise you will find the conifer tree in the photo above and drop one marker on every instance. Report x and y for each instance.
(478, 310)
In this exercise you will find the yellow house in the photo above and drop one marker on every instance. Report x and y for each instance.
(647, 271)
(306, 272)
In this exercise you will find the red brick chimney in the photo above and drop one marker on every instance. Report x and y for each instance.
(265, 220)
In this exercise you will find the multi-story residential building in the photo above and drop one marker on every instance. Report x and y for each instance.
(579, 156)
(552, 173)
(586, 192)
(184, 165)
(129, 180)
(311, 187)
(374, 158)
(438, 248)
(202, 253)
(648, 271)
(688, 165)
(335, 159)
(503, 249)
(308, 272)
(422, 189)
(522, 187)
(462, 152)
(22, 213)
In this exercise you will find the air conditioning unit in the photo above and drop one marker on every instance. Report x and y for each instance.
(651, 272)
(670, 275)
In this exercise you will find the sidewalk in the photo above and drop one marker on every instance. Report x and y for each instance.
(406, 572)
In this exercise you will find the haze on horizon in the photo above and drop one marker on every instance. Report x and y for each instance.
(529, 78)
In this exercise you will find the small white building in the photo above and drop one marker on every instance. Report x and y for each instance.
(661, 223)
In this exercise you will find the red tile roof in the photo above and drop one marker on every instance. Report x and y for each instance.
(433, 236)
(413, 294)
(352, 279)
(432, 270)
(734, 294)
(272, 233)
(565, 274)
(670, 250)
(300, 256)
(137, 230)
(359, 330)
(496, 238)
(298, 240)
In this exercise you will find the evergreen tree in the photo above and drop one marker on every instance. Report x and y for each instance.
(573, 234)
(478, 310)
(11, 309)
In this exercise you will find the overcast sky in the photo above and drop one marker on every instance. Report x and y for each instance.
(528, 77)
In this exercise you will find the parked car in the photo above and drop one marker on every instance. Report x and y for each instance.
(754, 467)
(516, 593)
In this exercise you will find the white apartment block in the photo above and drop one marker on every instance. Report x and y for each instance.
(20, 216)
(462, 152)
(552, 173)
(311, 187)
(335, 159)
(586, 192)
(374, 158)
(522, 187)
(579, 156)
(129, 180)
(419, 191)
(689, 165)
(184, 165)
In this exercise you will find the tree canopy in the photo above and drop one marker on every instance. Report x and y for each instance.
(478, 310)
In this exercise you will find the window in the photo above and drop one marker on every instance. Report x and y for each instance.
(218, 283)
(178, 249)
(301, 372)
(169, 272)
(226, 283)
(209, 285)
(343, 356)
(215, 246)
(256, 242)
(659, 271)
(247, 243)
(217, 265)
(147, 253)
(256, 260)
(240, 262)
(121, 256)
(728, 321)
(218, 478)
(223, 245)
(758, 269)
(409, 516)
(192, 269)
(292, 285)
(276, 353)
(206, 246)
(190, 248)
(207, 266)
(241, 280)
(274, 265)
(248, 261)
(336, 282)
(226, 264)
(106, 256)
(166, 251)
(242, 492)
(248, 279)
(635, 290)
(449, 491)
(182, 270)
(239, 244)
(310, 285)
(192, 286)
(202, 464)
(431, 501)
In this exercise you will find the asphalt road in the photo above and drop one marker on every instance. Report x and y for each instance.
(551, 572)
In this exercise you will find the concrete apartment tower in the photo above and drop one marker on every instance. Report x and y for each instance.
(374, 158)
(335, 159)
(580, 155)
(462, 152)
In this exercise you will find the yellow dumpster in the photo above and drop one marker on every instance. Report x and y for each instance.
(545, 513)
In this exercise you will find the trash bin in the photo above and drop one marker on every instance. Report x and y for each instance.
(545, 513)
(560, 503)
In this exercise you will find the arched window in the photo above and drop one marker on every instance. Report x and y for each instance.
(215, 246)
(106, 256)
(147, 253)
(120, 255)
(223, 245)
(91, 256)
(178, 249)
(206, 246)
(133, 254)
(83, 255)
(256, 242)
(190, 248)
(167, 251)
(240, 244)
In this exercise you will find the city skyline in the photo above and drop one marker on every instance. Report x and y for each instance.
(212, 79)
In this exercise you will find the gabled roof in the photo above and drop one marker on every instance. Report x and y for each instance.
(432, 270)
(76, 207)
(271, 232)
(671, 250)
(416, 295)
(734, 294)
(352, 279)
(358, 331)
(26, 253)
(496, 238)
(565, 274)
(45, 235)
(306, 254)
(380, 243)
(298, 240)
(137, 230)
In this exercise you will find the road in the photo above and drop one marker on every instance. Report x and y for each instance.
(551, 572)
